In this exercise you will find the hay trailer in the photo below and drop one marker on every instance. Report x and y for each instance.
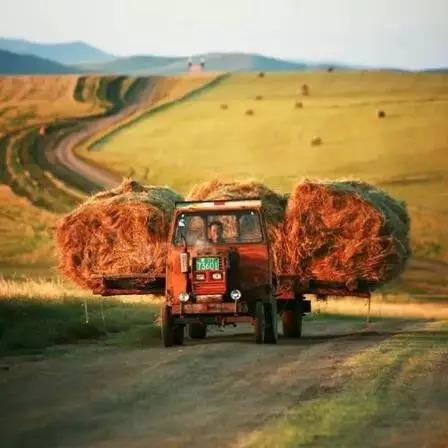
(219, 271)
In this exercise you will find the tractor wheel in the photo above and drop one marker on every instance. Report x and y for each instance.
(260, 323)
(292, 321)
(271, 330)
(167, 326)
(197, 330)
(178, 334)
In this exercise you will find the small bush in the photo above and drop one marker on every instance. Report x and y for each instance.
(224, 106)
(259, 97)
(299, 105)
(305, 90)
(316, 141)
(250, 112)
(261, 75)
(381, 114)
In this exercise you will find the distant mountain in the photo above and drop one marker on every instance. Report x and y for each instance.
(69, 53)
(18, 64)
(231, 62)
(132, 64)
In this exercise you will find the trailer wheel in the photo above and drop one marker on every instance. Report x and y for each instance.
(167, 326)
(292, 321)
(197, 330)
(271, 328)
(260, 323)
(178, 334)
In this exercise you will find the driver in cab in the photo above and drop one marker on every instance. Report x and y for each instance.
(215, 232)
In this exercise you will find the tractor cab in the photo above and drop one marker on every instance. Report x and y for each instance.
(219, 270)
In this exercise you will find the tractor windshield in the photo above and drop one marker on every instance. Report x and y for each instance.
(204, 228)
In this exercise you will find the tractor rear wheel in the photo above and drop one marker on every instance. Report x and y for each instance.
(260, 323)
(197, 330)
(271, 329)
(292, 320)
(167, 326)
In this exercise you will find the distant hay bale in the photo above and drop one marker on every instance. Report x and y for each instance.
(330, 69)
(259, 97)
(305, 90)
(316, 141)
(273, 203)
(119, 231)
(299, 105)
(261, 74)
(224, 106)
(381, 114)
(342, 231)
(250, 112)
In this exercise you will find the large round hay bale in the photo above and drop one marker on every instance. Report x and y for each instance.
(343, 231)
(274, 204)
(119, 231)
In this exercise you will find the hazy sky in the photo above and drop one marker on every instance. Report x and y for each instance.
(403, 33)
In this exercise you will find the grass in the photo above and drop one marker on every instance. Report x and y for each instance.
(405, 153)
(36, 315)
(379, 392)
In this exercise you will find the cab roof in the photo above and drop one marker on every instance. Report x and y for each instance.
(225, 204)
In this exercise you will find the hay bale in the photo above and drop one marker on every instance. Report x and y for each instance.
(259, 97)
(299, 105)
(316, 141)
(224, 106)
(381, 114)
(250, 112)
(274, 204)
(342, 231)
(119, 231)
(261, 75)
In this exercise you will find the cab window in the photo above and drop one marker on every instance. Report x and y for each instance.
(218, 228)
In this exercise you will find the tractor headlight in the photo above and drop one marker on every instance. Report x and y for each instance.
(235, 294)
(184, 297)
(217, 276)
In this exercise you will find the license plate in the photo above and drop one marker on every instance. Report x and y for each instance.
(207, 264)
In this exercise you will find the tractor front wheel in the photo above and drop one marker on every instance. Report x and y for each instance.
(197, 330)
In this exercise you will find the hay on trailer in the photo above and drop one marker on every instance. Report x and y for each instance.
(119, 231)
(274, 204)
(342, 231)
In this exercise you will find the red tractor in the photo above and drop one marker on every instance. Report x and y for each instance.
(220, 271)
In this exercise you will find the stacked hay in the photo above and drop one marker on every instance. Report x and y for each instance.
(342, 231)
(274, 204)
(119, 231)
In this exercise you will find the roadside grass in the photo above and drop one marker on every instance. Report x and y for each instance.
(372, 398)
(36, 315)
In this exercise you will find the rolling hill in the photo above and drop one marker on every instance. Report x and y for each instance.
(18, 64)
(214, 62)
(67, 53)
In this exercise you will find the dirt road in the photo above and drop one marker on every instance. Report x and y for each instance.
(205, 394)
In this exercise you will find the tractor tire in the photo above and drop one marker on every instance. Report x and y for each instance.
(260, 323)
(271, 327)
(197, 331)
(167, 326)
(292, 321)
(178, 334)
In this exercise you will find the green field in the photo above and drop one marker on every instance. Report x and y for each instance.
(406, 152)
